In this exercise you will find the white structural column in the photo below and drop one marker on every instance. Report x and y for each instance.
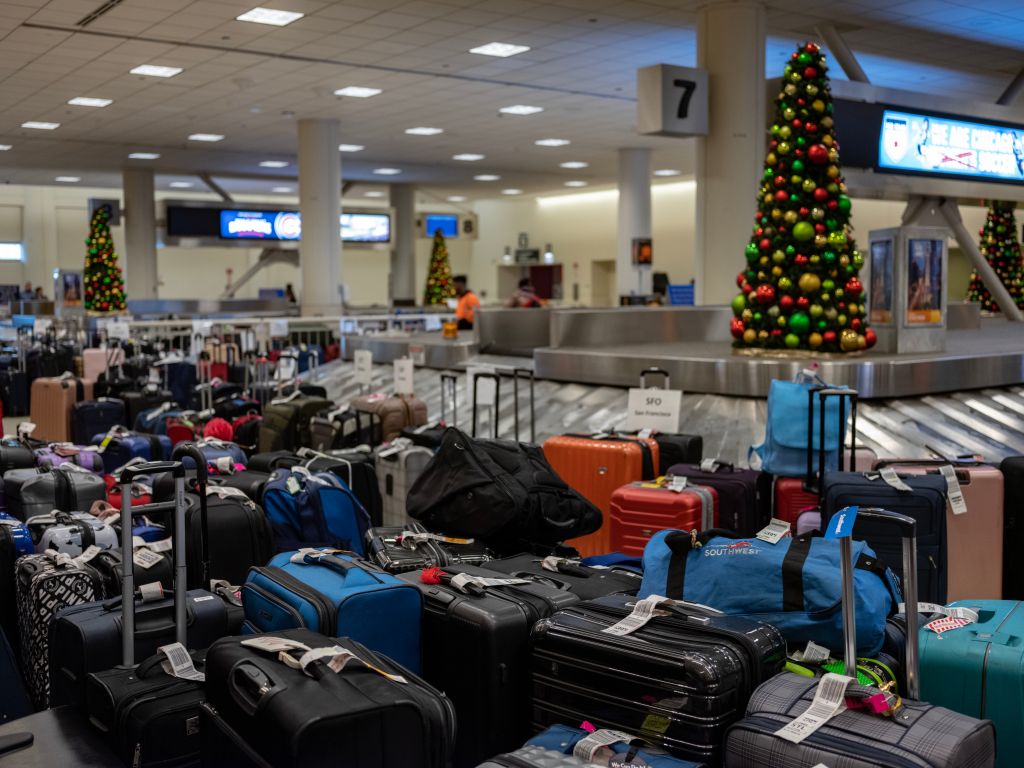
(634, 219)
(730, 46)
(403, 257)
(320, 206)
(139, 234)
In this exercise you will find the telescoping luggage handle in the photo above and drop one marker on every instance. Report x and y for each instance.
(450, 389)
(526, 373)
(493, 406)
(838, 528)
(823, 394)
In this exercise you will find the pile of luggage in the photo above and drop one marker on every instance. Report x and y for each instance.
(322, 585)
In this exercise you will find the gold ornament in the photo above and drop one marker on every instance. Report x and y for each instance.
(827, 140)
(789, 90)
(776, 270)
(848, 340)
(818, 105)
(833, 156)
(791, 217)
(826, 122)
(767, 199)
(762, 335)
(747, 315)
(833, 171)
(814, 340)
(749, 336)
(844, 260)
(819, 241)
(809, 282)
(817, 213)
(811, 90)
(862, 343)
(778, 257)
(771, 159)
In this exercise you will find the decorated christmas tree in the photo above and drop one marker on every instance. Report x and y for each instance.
(439, 279)
(800, 288)
(104, 284)
(1000, 247)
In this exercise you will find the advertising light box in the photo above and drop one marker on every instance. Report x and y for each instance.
(448, 223)
(287, 225)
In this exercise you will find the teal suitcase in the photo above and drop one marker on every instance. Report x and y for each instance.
(978, 670)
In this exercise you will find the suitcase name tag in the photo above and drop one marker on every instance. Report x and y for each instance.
(461, 581)
(775, 531)
(888, 474)
(146, 558)
(586, 749)
(956, 496)
(179, 663)
(338, 656)
(829, 701)
(642, 613)
(969, 615)
(409, 539)
(89, 553)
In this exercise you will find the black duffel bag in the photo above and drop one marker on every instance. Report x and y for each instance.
(502, 493)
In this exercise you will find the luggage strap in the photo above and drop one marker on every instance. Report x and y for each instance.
(335, 657)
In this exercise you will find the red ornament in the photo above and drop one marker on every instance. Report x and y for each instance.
(870, 338)
(765, 294)
(786, 303)
(782, 195)
(811, 127)
(832, 205)
(747, 287)
(817, 154)
(780, 181)
(764, 244)
(854, 287)
(800, 259)
(856, 323)
(810, 48)
(820, 194)
(740, 279)
(819, 228)
(797, 123)
(829, 337)
(776, 332)
(736, 327)
(758, 232)
(810, 72)
(800, 102)
(804, 212)
(803, 302)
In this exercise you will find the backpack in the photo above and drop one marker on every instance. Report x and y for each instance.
(308, 509)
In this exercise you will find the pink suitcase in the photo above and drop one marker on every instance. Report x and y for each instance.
(974, 550)
(51, 401)
(94, 361)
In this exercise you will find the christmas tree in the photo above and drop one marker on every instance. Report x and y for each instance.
(104, 285)
(1000, 247)
(800, 288)
(439, 279)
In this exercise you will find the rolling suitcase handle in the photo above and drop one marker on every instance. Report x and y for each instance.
(823, 394)
(180, 451)
(526, 373)
(659, 371)
(908, 531)
(494, 408)
(450, 383)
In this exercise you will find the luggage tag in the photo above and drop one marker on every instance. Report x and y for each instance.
(146, 558)
(179, 664)
(25, 429)
(709, 465)
(956, 497)
(888, 474)
(642, 613)
(812, 654)
(409, 539)
(151, 592)
(461, 580)
(90, 552)
(586, 749)
(676, 483)
(829, 701)
(775, 531)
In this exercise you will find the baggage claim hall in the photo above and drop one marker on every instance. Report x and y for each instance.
(511, 383)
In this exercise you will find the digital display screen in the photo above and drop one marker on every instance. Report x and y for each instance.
(366, 227)
(448, 223)
(287, 225)
(929, 144)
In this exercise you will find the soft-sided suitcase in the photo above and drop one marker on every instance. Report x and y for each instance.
(697, 665)
(248, 481)
(393, 413)
(1013, 527)
(486, 630)
(357, 470)
(137, 402)
(639, 510)
(68, 488)
(597, 465)
(918, 735)
(119, 446)
(92, 417)
(399, 464)
(583, 581)
(974, 555)
(371, 713)
(323, 590)
(313, 510)
(56, 454)
(51, 403)
(239, 536)
(413, 548)
(285, 424)
(425, 435)
(744, 495)
(15, 455)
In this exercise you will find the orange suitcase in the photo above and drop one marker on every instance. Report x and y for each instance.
(596, 466)
(50, 405)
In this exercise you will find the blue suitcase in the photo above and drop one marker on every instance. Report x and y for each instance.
(314, 510)
(926, 503)
(90, 417)
(214, 450)
(125, 446)
(978, 670)
(339, 596)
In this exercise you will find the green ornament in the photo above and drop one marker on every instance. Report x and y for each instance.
(790, 250)
(800, 323)
(844, 204)
(739, 303)
(803, 231)
(798, 166)
(794, 197)
(827, 284)
(92, 251)
(815, 310)
(792, 340)
(831, 224)
(783, 148)
(785, 283)
(781, 321)
(837, 238)
(804, 58)
(758, 317)
(828, 257)
(767, 175)
(801, 141)
(808, 185)
(822, 325)
(774, 130)
(751, 251)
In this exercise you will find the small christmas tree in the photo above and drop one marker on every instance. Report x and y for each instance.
(800, 288)
(1001, 249)
(104, 285)
(440, 287)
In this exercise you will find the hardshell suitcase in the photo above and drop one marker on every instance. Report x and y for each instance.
(917, 735)
(744, 495)
(68, 488)
(70, 533)
(583, 581)
(393, 413)
(399, 464)
(413, 548)
(974, 556)
(639, 510)
(485, 630)
(371, 713)
(1013, 527)
(597, 465)
(51, 403)
(99, 361)
(121, 446)
(91, 417)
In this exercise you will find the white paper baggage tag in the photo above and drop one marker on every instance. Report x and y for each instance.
(274, 644)
(956, 496)
(957, 611)
(812, 654)
(152, 591)
(829, 701)
(89, 553)
(677, 483)
(26, 428)
(709, 465)
(642, 613)
(278, 328)
(164, 545)
(587, 748)
(138, 541)
(146, 558)
(654, 409)
(775, 531)
(363, 363)
(179, 663)
(460, 580)
(644, 434)
(409, 539)
(893, 480)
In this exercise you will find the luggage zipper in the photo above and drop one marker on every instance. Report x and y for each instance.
(327, 613)
(154, 694)
(272, 598)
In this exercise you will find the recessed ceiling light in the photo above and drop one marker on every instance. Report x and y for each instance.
(424, 131)
(6, 147)
(387, 171)
(521, 109)
(181, 184)
(143, 156)
(282, 190)
(40, 125)
(511, 191)
(456, 199)
(373, 193)
(468, 157)
(273, 164)
(351, 147)
(667, 172)
(574, 164)
(270, 16)
(575, 183)
(87, 101)
(487, 177)
(206, 137)
(68, 179)
(155, 70)
(501, 50)
(552, 142)
(358, 91)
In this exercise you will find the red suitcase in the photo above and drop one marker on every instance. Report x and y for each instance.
(595, 466)
(640, 510)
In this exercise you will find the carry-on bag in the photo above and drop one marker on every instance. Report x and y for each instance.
(392, 413)
(54, 455)
(92, 417)
(285, 424)
(70, 533)
(15, 454)
(639, 510)
(569, 574)
(399, 464)
(343, 427)
(248, 481)
(121, 445)
(52, 400)
(483, 627)
(595, 466)
(347, 705)
(413, 548)
(1013, 527)
(68, 488)
(328, 591)
(357, 469)
(744, 495)
(783, 727)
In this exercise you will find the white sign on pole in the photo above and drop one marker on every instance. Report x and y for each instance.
(656, 409)
(418, 353)
(486, 389)
(201, 328)
(279, 328)
(41, 325)
(404, 376)
(118, 329)
(671, 100)
(363, 359)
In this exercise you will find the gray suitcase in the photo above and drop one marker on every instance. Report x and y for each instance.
(919, 735)
(399, 464)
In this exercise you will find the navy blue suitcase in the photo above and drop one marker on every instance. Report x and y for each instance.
(214, 450)
(125, 446)
(926, 503)
(14, 702)
(90, 417)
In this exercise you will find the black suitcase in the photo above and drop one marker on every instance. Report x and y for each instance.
(583, 581)
(675, 449)
(678, 682)
(1013, 527)
(96, 417)
(268, 461)
(107, 566)
(15, 455)
(475, 649)
(744, 495)
(249, 481)
(925, 503)
(425, 435)
(14, 392)
(136, 402)
(413, 548)
(239, 537)
(273, 715)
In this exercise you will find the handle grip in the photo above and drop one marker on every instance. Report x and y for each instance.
(129, 473)
(653, 369)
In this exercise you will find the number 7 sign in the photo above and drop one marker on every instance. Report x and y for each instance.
(672, 101)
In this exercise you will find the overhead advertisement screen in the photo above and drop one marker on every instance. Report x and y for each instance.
(365, 227)
(287, 225)
(927, 144)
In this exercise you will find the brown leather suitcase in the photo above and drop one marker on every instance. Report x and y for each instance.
(51, 403)
(394, 412)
